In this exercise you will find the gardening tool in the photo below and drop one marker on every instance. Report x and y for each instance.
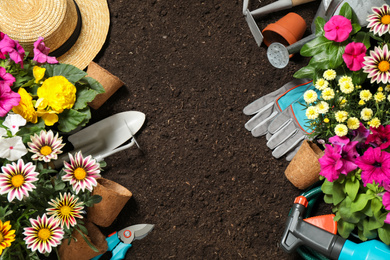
(250, 16)
(119, 242)
(320, 235)
(101, 139)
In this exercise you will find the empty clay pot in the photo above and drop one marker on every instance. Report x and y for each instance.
(288, 30)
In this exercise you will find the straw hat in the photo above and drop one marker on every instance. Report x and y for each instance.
(75, 31)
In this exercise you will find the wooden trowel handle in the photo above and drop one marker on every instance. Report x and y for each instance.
(299, 2)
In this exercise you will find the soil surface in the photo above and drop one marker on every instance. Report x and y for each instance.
(212, 190)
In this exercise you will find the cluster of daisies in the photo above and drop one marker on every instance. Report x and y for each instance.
(22, 183)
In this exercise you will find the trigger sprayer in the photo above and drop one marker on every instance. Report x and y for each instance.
(300, 232)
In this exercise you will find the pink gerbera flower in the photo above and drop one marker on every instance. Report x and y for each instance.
(66, 209)
(375, 165)
(380, 136)
(354, 55)
(81, 172)
(43, 234)
(8, 99)
(377, 65)
(379, 21)
(331, 164)
(46, 146)
(17, 179)
(338, 28)
(41, 52)
(13, 49)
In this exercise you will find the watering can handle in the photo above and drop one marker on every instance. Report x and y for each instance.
(299, 2)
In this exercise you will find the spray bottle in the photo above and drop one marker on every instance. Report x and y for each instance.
(300, 232)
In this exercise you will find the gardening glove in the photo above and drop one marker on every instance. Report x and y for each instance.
(289, 129)
(269, 106)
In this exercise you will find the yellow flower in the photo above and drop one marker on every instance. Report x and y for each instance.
(321, 84)
(365, 95)
(345, 79)
(366, 114)
(310, 96)
(25, 107)
(375, 122)
(353, 123)
(326, 120)
(341, 116)
(57, 93)
(361, 102)
(327, 94)
(38, 73)
(380, 89)
(341, 130)
(358, 87)
(329, 74)
(322, 107)
(49, 116)
(387, 88)
(7, 236)
(379, 97)
(347, 87)
(311, 112)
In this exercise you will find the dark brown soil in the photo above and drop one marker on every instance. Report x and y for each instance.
(212, 190)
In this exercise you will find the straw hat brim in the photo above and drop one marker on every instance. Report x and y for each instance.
(94, 29)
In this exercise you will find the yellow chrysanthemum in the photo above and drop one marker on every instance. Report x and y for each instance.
(353, 123)
(329, 74)
(379, 97)
(345, 79)
(375, 122)
(380, 89)
(347, 87)
(321, 84)
(311, 112)
(326, 120)
(342, 102)
(341, 116)
(25, 107)
(38, 73)
(327, 94)
(310, 96)
(322, 107)
(387, 88)
(361, 102)
(365, 95)
(341, 130)
(7, 236)
(366, 114)
(57, 93)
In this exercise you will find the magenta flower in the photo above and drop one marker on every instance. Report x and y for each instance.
(338, 28)
(2, 56)
(380, 136)
(8, 99)
(330, 163)
(13, 49)
(347, 150)
(375, 165)
(41, 52)
(386, 204)
(354, 55)
(6, 78)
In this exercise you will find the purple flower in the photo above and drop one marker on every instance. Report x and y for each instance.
(386, 204)
(380, 136)
(13, 49)
(347, 150)
(338, 28)
(8, 99)
(330, 163)
(354, 55)
(2, 56)
(375, 165)
(6, 78)
(41, 52)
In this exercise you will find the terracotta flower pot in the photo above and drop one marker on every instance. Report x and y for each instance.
(289, 29)
(80, 250)
(304, 168)
(114, 198)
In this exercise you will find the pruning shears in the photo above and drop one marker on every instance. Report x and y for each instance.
(119, 242)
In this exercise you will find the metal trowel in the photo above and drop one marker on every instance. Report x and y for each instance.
(101, 139)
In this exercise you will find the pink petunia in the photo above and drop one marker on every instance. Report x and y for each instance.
(386, 204)
(338, 28)
(6, 78)
(331, 163)
(2, 56)
(375, 165)
(41, 52)
(380, 136)
(8, 99)
(13, 49)
(347, 151)
(354, 55)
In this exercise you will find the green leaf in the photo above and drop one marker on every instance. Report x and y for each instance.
(320, 61)
(360, 202)
(346, 212)
(69, 119)
(358, 77)
(336, 51)
(93, 84)
(83, 96)
(345, 228)
(346, 11)
(384, 234)
(373, 223)
(363, 38)
(319, 23)
(316, 46)
(30, 129)
(327, 187)
(376, 206)
(72, 73)
(305, 72)
(355, 28)
(328, 199)
(87, 241)
(338, 193)
(93, 200)
(352, 188)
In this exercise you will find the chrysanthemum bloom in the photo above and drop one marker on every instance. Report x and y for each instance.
(341, 116)
(379, 21)
(81, 172)
(354, 55)
(321, 84)
(329, 74)
(380, 136)
(46, 146)
(361, 103)
(312, 112)
(8, 99)
(322, 107)
(341, 130)
(365, 95)
(353, 123)
(347, 87)
(310, 96)
(377, 65)
(375, 165)
(13, 49)
(6, 78)
(330, 163)
(327, 94)
(25, 107)
(347, 150)
(44, 234)
(366, 114)
(344, 79)
(13, 122)
(66, 209)
(338, 28)
(380, 89)
(17, 179)
(375, 122)
(342, 102)
(41, 52)
(38, 73)
(387, 88)
(12, 148)
(7, 236)
(379, 97)
(326, 120)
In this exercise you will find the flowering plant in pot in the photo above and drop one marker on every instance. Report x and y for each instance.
(349, 113)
